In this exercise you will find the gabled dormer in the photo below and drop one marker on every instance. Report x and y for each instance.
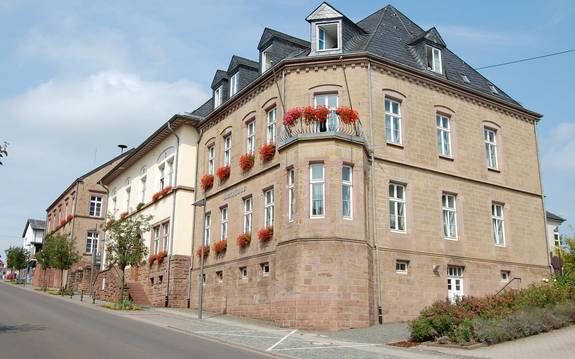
(220, 88)
(430, 46)
(241, 72)
(275, 46)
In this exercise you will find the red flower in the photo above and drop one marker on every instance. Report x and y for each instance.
(161, 193)
(244, 240)
(223, 172)
(69, 217)
(347, 115)
(265, 234)
(292, 116)
(267, 151)
(220, 246)
(322, 113)
(247, 162)
(123, 215)
(309, 114)
(62, 222)
(160, 256)
(206, 251)
(156, 197)
(207, 182)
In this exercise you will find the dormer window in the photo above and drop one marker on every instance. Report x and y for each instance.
(218, 96)
(328, 36)
(234, 84)
(266, 59)
(493, 89)
(434, 59)
(465, 78)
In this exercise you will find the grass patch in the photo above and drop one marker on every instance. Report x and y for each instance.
(122, 305)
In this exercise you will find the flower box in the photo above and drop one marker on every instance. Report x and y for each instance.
(267, 152)
(151, 259)
(62, 222)
(223, 173)
(207, 181)
(244, 240)
(140, 206)
(220, 246)
(311, 115)
(158, 195)
(347, 115)
(292, 115)
(123, 215)
(206, 251)
(160, 256)
(69, 217)
(265, 234)
(247, 162)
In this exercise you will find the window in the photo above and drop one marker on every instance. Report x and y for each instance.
(330, 101)
(211, 159)
(207, 229)
(92, 243)
(557, 238)
(265, 269)
(291, 193)
(251, 144)
(505, 274)
(220, 276)
(203, 278)
(490, 137)
(396, 207)
(170, 164)
(346, 191)
(449, 216)
(465, 78)
(248, 215)
(128, 192)
(317, 189)
(269, 208)
(434, 59)
(393, 122)
(327, 36)
(271, 126)
(162, 169)
(267, 59)
(401, 266)
(234, 84)
(454, 283)
(243, 272)
(156, 238)
(224, 223)
(227, 150)
(493, 89)
(498, 225)
(443, 135)
(143, 189)
(165, 234)
(96, 206)
(218, 96)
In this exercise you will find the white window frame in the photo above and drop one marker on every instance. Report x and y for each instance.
(248, 211)
(269, 202)
(162, 177)
(267, 57)
(128, 198)
(498, 223)
(449, 214)
(170, 165)
(212, 159)
(317, 34)
(243, 273)
(95, 209)
(251, 138)
(265, 269)
(557, 241)
(224, 218)
(505, 276)
(271, 125)
(443, 124)
(92, 241)
(165, 234)
(394, 136)
(320, 183)
(332, 122)
(220, 276)
(227, 149)
(207, 228)
(218, 96)
(291, 194)
(143, 181)
(401, 266)
(156, 238)
(114, 205)
(347, 184)
(234, 83)
(436, 60)
(455, 279)
(490, 138)
(396, 203)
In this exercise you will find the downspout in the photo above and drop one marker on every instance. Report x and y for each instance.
(373, 197)
(543, 200)
(103, 241)
(73, 220)
(171, 248)
(192, 257)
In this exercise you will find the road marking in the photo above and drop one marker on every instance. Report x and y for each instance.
(245, 335)
(328, 347)
(281, 340)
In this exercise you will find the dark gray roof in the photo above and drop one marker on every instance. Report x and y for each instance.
(268, 34)
(554, 217)
(242, 61)
(219, 76)
(36, 224)
(205, 109)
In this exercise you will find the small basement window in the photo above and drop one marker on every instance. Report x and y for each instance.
(401, 266)
(434, 59)
(505, 274)
(220, 276)
(328, 36)
(265, 267)
(243, 272)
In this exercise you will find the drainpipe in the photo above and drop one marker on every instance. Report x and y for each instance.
(103, 241)
(194, 222)
(373, 186)
(73, 220)
(171, 249)
(542, 200)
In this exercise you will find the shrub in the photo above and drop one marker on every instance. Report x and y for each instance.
(247, 162)
(244, 240)
(422, 330)
(206, 249)
(207, 181)
(122, 305)
(140, 206)
(223, 172)
(267, 152)
(347, 115)
(292, 115)
(220, 246)
(265, 234)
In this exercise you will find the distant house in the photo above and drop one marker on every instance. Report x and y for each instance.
(33, 235)
(553, 236)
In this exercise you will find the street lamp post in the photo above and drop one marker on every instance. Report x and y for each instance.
(201, 203)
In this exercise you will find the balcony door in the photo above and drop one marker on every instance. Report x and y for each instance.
(331, 101)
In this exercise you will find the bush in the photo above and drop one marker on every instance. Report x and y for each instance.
(122, 305)
(422, 330)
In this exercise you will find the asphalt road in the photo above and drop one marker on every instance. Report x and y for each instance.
(34, 325)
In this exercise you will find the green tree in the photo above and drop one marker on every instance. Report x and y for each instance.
(44, 257)
(17, 259)
(63, 255)
(124, 244)
(3, 151)
(568, 255)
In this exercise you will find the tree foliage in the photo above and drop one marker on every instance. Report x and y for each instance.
(568, 255)
(17, 258)
(44, 258)
(62, 254)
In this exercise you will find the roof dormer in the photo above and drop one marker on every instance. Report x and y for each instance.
(275, 46)
(219, 86)
(430, 45)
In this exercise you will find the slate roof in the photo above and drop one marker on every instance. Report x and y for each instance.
(36, 224)
(242, 61)
(268, 34)
(554, 217)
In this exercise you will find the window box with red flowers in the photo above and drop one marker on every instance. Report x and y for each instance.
(158, 195)
(151, 259)
(69, 217)
(267, 152)
(265, 234)
(61, 223)
(347, 115)
(220, 246)
(244, 240)
(124, 215)
(292, 116)
(223, 173)
(247, 162)
(311, 114)
(206, 250)
(160, 256)
(207, 181)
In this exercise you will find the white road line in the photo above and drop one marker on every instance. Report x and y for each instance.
(245, 335)
(281, 340)
(328, 347)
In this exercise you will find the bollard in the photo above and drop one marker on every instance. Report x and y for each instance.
(81, 296)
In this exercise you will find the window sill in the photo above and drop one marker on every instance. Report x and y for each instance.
(397, 145)
(496, 170)
(398, 231)
(401, 273)
(317, 217)
(500, 245)
(348, 218)
(447, 158)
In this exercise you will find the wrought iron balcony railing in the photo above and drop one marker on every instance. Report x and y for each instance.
(333, 127)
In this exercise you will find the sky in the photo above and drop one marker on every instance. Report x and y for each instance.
(77, 78)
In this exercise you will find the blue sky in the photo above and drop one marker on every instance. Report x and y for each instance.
(79, 77)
